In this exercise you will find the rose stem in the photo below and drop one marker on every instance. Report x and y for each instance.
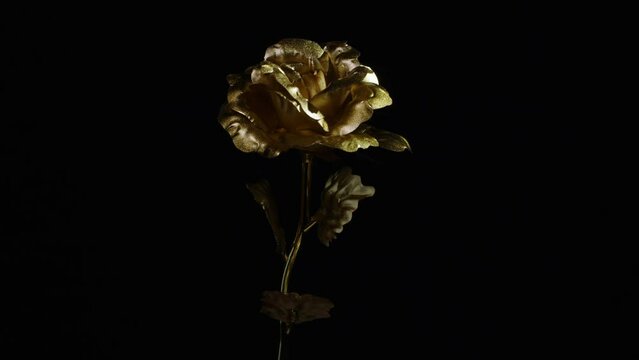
(306, 185)
(307, 162)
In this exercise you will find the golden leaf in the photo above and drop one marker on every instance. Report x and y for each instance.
(350, 142)
(387, 140)
(263, 195)
(292, 308)
(340, 199)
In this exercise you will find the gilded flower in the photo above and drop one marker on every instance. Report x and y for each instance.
(306, 97)
(340, 198)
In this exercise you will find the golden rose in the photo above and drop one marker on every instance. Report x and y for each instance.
(306, 97)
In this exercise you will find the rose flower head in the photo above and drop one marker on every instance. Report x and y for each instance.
(307, 97)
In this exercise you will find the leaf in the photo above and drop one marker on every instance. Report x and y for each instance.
(386, 139)
(312, 307)
(350, 142)
(292, 308)
(263, 195)
(340, 199)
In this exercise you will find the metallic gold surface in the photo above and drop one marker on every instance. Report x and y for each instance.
(306, 97)
(293, 308)
(340, 199)
(307, 163)
(386, 139)
(263, 195)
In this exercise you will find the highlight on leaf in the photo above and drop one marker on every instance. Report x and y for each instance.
(263, 195)
(386, 139)
(340, 199)
(293, 308)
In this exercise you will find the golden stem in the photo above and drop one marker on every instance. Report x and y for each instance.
(307, 161)
(310, 225)
(304, 194)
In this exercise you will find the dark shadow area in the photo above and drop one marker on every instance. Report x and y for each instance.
(128, 232)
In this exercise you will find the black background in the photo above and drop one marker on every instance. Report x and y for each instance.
(129, 232)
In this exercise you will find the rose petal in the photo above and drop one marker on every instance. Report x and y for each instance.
(314, 82)
(349, 102)
(288, 115)
(309, 83)
(304, 53)
(246, 136)
(293, 76)
(343, 58)
(238, 83)
(356, 112)
(271, 75)
(255, 103)
(380, 97)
